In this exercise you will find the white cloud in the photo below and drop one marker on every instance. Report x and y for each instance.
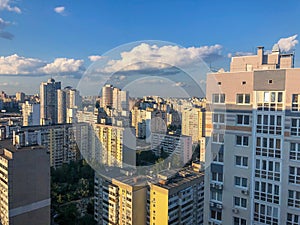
(95, 58)
(15, 64)
(287, 44)
(6, 5)
(146, 56)
(63, 66)
(19, 65)
(60, 10)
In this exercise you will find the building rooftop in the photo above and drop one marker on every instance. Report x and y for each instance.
(182, 177)
(8, 145)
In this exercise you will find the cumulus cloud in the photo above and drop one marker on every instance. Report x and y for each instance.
(288, 44)
(15, 65)
(95, 58)
(145, 56)
(6, 5)
(63, 66)
(60, 10)
(19, 65)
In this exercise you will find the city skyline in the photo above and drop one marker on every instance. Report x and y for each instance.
(33, 36)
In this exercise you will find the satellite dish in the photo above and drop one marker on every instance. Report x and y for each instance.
(276, 48)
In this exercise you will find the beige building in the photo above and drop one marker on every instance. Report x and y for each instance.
(193, 123)
(24, 185)
(252, 127)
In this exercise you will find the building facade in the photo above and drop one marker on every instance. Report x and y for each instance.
(48, 101)
(24, 185)
(252, 159)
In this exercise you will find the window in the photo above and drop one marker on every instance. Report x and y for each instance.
(293, 219)
(295, 151)
(216, 215)
(242, 140)
(243, 119)
(216, 195)
(265, 214)
(269, 124)
(295, 102)
(218, 138)
(269, 147)
(240, 202)
(241, 161)
(294, 199)
(239, 221)
(240, 182)
(219, 118)
(218, 157)
(267, 170)
(294, 175)
(217, 177)
(269, 101)
(267, 192)
(295, 127)
(243, 99)
(218, 98)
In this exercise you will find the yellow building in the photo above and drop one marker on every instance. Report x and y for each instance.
(177, 198)
(117, 145)
(120, 200)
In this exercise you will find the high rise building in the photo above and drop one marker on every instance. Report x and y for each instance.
(24, 184)
(193, 123)
(61, 106)
(252, 157)
(59, 139)
(31, 113)
(20, 97)
(120, 100)
(178, 198)
(121, 200)
(172, 144)
(48, 101)
(118, 145)
(107, 96)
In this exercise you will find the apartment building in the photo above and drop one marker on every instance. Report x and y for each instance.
(193, 123)
(121, 200)
(24, 184)
(117, 145)
(177, 198)
(180, 145)
(252, 129)
(59, 139)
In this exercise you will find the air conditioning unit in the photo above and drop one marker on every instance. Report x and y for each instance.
(219, 206)
(235, 210)
(212, 204)
(245, 192)
(212, 185)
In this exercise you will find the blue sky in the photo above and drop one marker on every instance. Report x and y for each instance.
(85, 28)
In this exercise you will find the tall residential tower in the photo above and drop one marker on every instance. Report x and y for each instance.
(253, 153)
